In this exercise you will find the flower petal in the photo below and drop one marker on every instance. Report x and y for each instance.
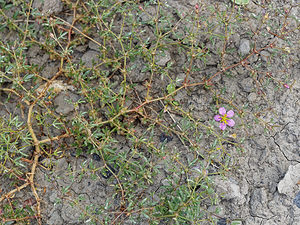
(222, 111)
(230, 113)
(217, 118)
(230, 122)
(222, 126)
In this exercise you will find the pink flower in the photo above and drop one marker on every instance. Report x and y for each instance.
(223, 118)
(286, 86)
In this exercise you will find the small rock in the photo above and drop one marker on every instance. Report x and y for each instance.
(81, 48)
(39, 60)
(49, 7)
(297, 200)
(93, 45)
(33, 51)
(50, 70)
(244, 48)
(265, 55)
(61, 165)
(288, 183)
(63, 102)
(252, 97)
(229, 190)
(235, 38)
(90, 58)
(162, 58)
(246, 84)
(137, 73)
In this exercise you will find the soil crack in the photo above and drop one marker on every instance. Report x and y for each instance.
(283, 153)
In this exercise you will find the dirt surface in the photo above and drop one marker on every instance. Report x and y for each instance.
(262, 180)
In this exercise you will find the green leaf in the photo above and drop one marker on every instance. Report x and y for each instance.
(171, 88)
(175, 103)
(27, 77)
(240, 2)
(236, 222)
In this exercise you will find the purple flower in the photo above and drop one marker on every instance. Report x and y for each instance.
(223, 118)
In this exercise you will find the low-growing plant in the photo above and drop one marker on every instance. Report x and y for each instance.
(150, 64)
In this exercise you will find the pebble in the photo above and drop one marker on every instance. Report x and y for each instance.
(247, 84)
(244, 48)
(162, 58)
(252, 97)
(297, 200)
(90, 58)
(265, 55)
(63, 102)
(289, 182)
(52, 7)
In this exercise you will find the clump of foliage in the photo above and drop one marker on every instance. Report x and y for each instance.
(131, 39)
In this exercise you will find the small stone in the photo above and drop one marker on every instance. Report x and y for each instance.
(52, 7)
(50, 70)
(81, 48)
(244, 48)
(137, 71)
(33, 51)
(252, 97)
(265, 55)
(289, 182)
(229, 190)
(297, 200)
(95, 46)
(247, 84)
(163, 58)
(61, 165)
(39, 60)
(90, 58)
(64, 102)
